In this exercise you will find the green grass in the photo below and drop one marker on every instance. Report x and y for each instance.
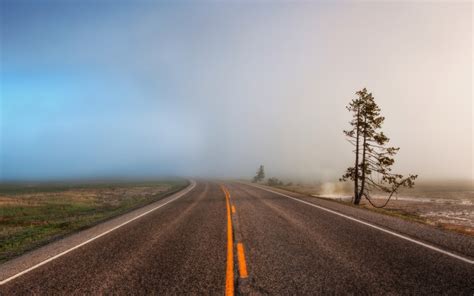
(31, 216)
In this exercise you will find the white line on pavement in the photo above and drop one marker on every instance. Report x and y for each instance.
(373, 226)
(193, 184)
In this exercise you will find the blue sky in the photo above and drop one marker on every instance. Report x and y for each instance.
(145, 88)
(69, 105)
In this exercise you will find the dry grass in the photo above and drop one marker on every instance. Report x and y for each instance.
(32, 215)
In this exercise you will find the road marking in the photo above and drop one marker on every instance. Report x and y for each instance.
(242, 263)
(193, 184)
(467, 260)
(229, 277)
(233, 210)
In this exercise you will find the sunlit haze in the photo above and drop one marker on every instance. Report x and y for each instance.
(213, 89)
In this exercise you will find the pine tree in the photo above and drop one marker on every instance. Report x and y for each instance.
(260, 175)
(372, 157)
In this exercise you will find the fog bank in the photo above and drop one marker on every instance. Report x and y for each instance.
(214, 90)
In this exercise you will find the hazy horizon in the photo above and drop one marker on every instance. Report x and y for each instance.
(213, 89)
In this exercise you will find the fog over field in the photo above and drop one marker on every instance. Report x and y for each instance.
(141, 89)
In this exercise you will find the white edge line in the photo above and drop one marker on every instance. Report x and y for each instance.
(188, 189)
(372, 225)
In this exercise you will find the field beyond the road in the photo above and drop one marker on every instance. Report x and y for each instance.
(32, 215)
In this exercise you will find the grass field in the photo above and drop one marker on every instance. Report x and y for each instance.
(32, 215)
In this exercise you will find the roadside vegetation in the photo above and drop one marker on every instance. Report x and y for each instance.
(447, 206)
(260, 175)
(373, 159)
(371, 183)
(32, 215)
(274, 182)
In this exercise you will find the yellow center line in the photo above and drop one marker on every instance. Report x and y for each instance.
(242, 263)
(233, 210)
(229, 282)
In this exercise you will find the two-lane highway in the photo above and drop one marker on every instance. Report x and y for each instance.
(226, 238)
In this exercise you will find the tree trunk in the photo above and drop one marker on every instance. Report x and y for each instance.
(356, 166)
(362, 179)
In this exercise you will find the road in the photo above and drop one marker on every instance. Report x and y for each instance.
(232, 238)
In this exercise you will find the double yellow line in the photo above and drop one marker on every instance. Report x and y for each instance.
(229, 278)
(229, 282)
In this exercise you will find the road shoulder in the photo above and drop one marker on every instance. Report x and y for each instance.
(42, 254)
(450, 241)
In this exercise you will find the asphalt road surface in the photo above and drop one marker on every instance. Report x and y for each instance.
(233, 238)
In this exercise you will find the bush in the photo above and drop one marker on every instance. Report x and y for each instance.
(274, 182)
